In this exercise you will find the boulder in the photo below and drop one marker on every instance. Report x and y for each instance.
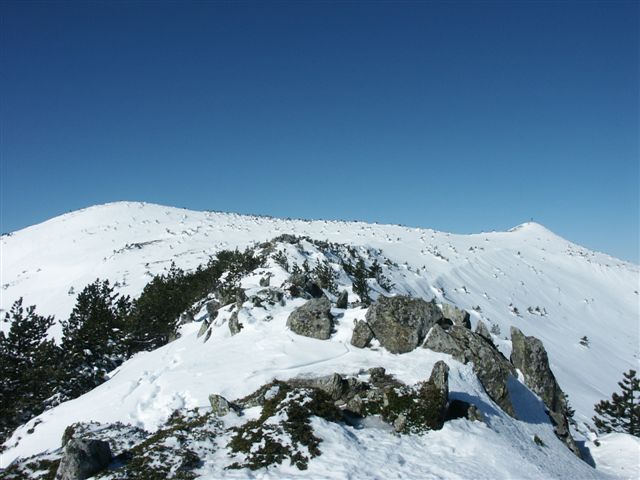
(333, 385)
(483, 331)
(265, 281)
(457, 316)
(203, 328)
(362, 334)
(400, 323)
(212, 307)
(343, 300)
(220, 406)
(234, 324)
(491, 367)
(83, 458)
(313, 319)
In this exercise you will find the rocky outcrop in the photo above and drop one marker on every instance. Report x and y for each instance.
(530, 357)
(343, 300)
(483, 331)
(491, 367)
(457, 316)
(401, 323)
(83, 458)
(313, 319)
(362, 334)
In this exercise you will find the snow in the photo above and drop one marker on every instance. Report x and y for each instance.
(583, 293)
(617, 454)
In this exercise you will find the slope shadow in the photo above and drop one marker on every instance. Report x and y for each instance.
(527, 405)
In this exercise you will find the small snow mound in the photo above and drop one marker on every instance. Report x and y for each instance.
(617, 454)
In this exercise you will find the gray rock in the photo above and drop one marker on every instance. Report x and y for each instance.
(457, 316)
(400, 323)
(333, 385)
(530, 357)
(313, 319)
(440, 376)
(234, 324)
(491, 367)
(83, 459)
(186, 317)
(203, 328)
(343, 300)
(362, 334)
(483, 331)
(265, 281)
(212, 307)
(220, 406)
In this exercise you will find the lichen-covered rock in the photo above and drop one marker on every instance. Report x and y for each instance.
(333, 385)
(491, 367)
(220, 406)
(313, 319)
(400, 323)
(234, 324)
(530, 357)
(457, 316)
(212, 307)
(419, 408)
(483, 331)
(83, 458)
(203, 328)
(362, 334)
(343, 300)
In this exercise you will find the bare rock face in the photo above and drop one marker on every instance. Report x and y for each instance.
(491, 367)
(313, 319)
(401, 323)
(343, 300)
(457, 316)
(530, 357)
(483, 331)
(362, 334)
(234, 324)
(83, 459)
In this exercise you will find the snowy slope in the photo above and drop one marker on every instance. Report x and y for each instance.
(571, 292)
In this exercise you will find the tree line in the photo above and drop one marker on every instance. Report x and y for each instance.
(103, 330)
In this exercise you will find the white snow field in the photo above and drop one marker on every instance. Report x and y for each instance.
(527, 277)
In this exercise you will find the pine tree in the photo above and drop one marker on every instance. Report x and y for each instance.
(93, 338)
(622, 412)
(360, 284)
(27, 362)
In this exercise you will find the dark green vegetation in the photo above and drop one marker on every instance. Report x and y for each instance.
(622, 412)
(283, 430)
(27, 367)
(415, 409)
(103, 330)
(173, 452)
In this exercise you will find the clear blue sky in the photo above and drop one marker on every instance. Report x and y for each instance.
(455, 116)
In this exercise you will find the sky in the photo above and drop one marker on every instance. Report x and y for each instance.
(458, 116)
